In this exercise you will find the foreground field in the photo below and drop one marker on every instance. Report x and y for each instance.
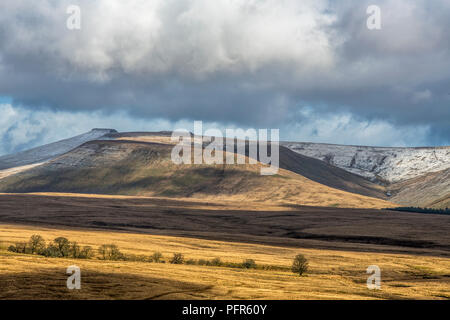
(334, 274)
(367, 230)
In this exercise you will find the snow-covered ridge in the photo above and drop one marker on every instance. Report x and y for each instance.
(50, 151)
(382, 164)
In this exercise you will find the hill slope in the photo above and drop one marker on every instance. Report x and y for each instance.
(50, 151)
(310, 168)
(145, 169)
(430, 190)
(328, 175)
(407, 173)
(385, 165)
(414, 176)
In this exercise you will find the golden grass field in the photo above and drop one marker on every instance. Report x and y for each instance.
(334, 274)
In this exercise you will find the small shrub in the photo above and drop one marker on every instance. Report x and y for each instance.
(115, 253)
(136, 257)
(300, 264)
(232, 265)
(216, 262)
(202, 262)
(191, 262)
(156, 257)
(36, 244)
(63, 246)
(177, 258)
(249, 264)
(21, 247)
(12, 248)
(110, 252)
(74, 250)
(86, 253)
(142, 258)
(52, 251)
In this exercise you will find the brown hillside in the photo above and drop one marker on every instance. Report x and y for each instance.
(139, 168)
(313, 169)
(430, 190)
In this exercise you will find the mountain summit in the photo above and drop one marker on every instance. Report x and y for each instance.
(104, 161)
(51, 150)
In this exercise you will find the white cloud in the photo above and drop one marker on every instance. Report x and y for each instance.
(243, 62)
(22, 128)
(192, 38)
(346, 129)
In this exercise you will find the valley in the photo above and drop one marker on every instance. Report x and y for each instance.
(106, 187)
(333, 274)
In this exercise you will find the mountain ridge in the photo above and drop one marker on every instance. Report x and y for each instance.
(145, 169)
(383, 165)
(51, 150)
(359, 170)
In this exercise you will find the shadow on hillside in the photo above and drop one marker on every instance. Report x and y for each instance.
(50, 284)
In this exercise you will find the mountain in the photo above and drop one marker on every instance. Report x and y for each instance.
(310, 168)
(138, 163)
(430, 190)
(379, 164)
(50, 151)
(126, 167)
(412, 176)
(329, 175)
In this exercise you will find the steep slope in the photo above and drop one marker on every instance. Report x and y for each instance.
(384, 165)
(142, 168)
(346, 168)
(50, 151)
(429, 190)
(310, 168)
(442, 203)
(328, 175)
(11, 171)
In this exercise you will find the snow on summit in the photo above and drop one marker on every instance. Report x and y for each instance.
(380, 164)
(51, 150)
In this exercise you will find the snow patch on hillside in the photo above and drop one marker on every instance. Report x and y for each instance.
(50, 151)
(378, 163)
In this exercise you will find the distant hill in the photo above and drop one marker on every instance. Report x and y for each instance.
(431, 190)
(144, 168)
(310, 168)
(50, 151)
(329, 175)
(380, 164)
(412, 176)
(138, 163)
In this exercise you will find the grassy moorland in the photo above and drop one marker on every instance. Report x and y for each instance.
(333, 274)
(237, 221)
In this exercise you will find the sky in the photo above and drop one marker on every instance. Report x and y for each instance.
(310, 68)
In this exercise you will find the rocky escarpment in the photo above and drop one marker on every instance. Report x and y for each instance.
(379, 164)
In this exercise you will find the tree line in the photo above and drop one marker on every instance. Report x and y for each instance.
(61, 247)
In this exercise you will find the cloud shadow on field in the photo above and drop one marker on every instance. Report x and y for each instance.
(50, 284)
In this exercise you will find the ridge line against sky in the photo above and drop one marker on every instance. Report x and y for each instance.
(310, 68)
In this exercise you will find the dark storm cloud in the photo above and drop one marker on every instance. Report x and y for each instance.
(251, 63)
